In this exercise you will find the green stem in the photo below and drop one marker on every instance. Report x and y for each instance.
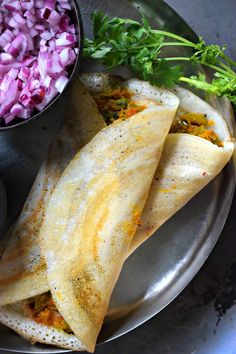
(167, 44)
(177, 59)
(205, 86)
(177, 44)
(228, 60)
(174, 36)
(227, 68)
(214, 67)
(133, 46)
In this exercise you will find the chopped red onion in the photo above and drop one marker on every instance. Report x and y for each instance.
(65, 6)
(5, 58)
(51, 93)
(16, 109)
(7, 35)
(25, 98)
(50, 4)
(30, 24)
(4, 68)
(3, 42)
(47, 81)
(37, 46)
(25, 113)
(28, 5)
(71, 29)
(9, 117)
(40, 28)
(8, 99)
(30, 16)
(52, 17)
(65, 39)
(67, 56)
(24, 74)
(52, 45)
(33, 32)
(61, 83)
(63, 24)
(29, 45)
(39, 4)
(12, 23)
(46, 36)
(19, 19)
(12, 5)
(13, 73)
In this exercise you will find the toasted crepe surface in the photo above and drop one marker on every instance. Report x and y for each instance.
(22, 269)
(13, 317)
(188, 163)
(186, 166)
(103, 192)
(162, 118)
(95, 83)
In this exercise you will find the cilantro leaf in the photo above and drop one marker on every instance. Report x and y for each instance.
(125, 42)
(207, 54)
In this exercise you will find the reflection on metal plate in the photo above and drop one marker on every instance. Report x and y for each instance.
(158, 271)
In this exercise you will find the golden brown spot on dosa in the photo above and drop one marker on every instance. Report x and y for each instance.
(88, 296)
(97, 229)
(167, 190)
(100, 214)
(23, 274)
(137, 212)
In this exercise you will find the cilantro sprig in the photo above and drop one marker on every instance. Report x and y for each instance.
(125, 42)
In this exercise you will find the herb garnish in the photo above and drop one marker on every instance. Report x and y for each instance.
(125, 42)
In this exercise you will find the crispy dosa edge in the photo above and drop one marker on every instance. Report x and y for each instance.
(13, 317)
(9, 312)
(22, 268)
(187, 165)
(86, 241)
(174, 184)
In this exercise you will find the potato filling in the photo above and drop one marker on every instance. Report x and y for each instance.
(42, 309)
(116, 104)
(195, 124)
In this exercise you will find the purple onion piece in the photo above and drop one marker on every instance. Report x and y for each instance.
(37, 46)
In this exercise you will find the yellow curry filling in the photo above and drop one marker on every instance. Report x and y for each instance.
(195, 124)
(116, 104)
(42, 309)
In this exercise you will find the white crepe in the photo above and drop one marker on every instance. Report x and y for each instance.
(22, 269)
(188, 162)
(132, 149)
(187, 165)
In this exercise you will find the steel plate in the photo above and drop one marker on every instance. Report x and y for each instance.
(158, 271)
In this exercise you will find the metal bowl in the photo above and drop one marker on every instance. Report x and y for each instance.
(55, 105)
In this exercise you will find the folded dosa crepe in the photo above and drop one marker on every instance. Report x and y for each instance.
(196, 150)
(89, 224)
(19, 318)
(22, 269)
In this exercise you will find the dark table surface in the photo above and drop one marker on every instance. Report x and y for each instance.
(202, 320)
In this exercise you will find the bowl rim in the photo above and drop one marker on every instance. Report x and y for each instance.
(74, 73)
